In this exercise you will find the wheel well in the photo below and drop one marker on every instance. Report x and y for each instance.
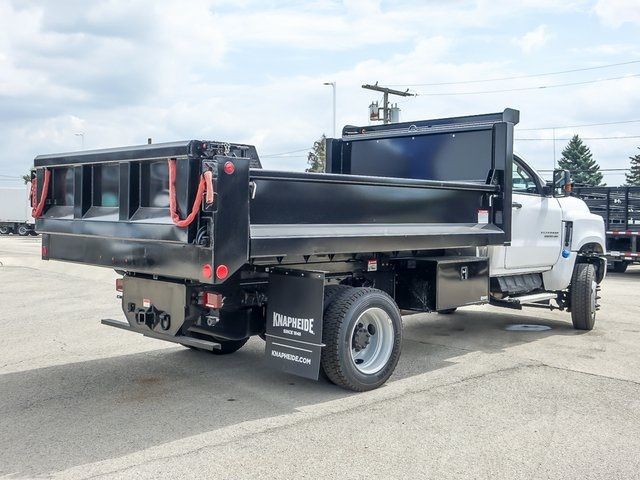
(591, 248)
(591, 253)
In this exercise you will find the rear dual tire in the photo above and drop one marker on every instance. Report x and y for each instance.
(447, 311)
(362, 333)
(226, 346)
(5, 230)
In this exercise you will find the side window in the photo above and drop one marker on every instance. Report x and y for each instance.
(522, 180)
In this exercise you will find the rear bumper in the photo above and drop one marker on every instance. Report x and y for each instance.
(181, 339)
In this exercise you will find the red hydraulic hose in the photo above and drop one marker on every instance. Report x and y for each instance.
(37, 210)
(206, 184)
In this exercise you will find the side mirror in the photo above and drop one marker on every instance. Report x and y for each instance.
(562, 182)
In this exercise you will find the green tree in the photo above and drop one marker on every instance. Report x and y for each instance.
(26, 178)
(577, 158)
(318, 155)
(633, 177)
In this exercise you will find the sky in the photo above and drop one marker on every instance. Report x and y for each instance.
(94, 74)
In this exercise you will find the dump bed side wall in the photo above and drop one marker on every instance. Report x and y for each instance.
(328, 214)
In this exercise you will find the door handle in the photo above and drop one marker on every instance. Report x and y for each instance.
(516, 205)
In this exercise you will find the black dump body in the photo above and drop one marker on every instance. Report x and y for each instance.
(618, 206)
(409, 187)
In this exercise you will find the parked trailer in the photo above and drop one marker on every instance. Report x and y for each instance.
(419, 216)
(15, 211)
(620, 209)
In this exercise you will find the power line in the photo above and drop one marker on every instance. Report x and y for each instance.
(580, 125)
(582, 138)
(540, 87)
(600, 170)
(515, 77)
(281, 154)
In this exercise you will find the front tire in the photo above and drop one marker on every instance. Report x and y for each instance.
(584, 296)
(362, 333)
(23, 231)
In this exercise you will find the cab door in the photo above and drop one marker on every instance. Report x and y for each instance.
(536, 223)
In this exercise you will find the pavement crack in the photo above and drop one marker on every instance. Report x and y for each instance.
(423, 342)
(608, 377)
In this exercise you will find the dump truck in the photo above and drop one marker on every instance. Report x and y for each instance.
(15, 211)
(426, 216)
(620, 209)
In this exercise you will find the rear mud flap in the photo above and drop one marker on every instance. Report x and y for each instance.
(294, 322)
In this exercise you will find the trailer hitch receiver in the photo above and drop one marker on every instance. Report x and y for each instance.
(150, 317)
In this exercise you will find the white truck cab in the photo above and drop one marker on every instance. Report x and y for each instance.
(556, 250)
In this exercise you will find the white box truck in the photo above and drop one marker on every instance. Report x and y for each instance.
(15, 211)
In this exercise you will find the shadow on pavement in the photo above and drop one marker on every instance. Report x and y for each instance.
(62, 416)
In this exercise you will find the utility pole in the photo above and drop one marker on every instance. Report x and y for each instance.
(81, 135)
(385, 97)
(333, 86)
(554, 148)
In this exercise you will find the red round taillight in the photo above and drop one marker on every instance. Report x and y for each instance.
(207, 271)
(222, 272)
(229, 168)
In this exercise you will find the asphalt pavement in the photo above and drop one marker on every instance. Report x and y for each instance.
(471, 398)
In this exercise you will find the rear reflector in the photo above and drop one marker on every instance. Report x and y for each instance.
(222, 272)
(207, 271)
(212, 300)
(119, 284)
(229, 168)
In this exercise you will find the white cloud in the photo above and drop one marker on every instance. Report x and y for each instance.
(615, 13)
(610, 49)
(122, 73)
(535, 39)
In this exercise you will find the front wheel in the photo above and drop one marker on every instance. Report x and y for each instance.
(23, 230)
(584, 296)
(362, 333)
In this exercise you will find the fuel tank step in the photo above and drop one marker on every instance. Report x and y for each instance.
(532, 300)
